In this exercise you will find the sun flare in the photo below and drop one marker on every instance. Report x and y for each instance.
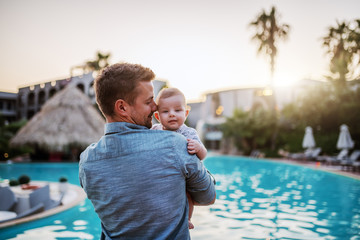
(284, 80)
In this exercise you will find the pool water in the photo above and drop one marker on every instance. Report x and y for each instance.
(256, 199)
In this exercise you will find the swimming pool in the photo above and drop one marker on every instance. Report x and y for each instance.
(256, 199)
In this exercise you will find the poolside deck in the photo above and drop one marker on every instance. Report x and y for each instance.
(317, 165)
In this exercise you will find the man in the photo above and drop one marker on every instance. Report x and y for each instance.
(136, 178)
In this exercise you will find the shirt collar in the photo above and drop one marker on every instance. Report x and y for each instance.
(116, 127)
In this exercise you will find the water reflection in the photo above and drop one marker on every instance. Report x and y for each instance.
(266, 200)
(53, 232)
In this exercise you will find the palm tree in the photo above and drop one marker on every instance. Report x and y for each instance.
(336, 43)
(100, 62)
(343, 44)
(268, 32)
(354, 39)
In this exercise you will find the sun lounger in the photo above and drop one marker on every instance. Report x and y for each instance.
(314, 154)
(303, 155)
(333, 160)
(7, 199)
(356, 165)
(309, 154)
(255, 153)
(36, 209)
(42, 195)
(351, 162)
(8, 202)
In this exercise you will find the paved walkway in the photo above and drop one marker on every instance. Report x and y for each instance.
(317, 165)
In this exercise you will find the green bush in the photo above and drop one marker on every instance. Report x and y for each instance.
(24, 179)
(252, 129)
(63, 179)
(6, 133)
(13, 182)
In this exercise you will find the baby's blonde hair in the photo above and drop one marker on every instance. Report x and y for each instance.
(169, 92)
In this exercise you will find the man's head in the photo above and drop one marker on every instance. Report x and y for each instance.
(124, 93)
(172, 109)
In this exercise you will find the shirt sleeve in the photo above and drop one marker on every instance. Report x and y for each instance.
(199, 182)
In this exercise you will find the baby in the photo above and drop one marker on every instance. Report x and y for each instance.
(172, 113)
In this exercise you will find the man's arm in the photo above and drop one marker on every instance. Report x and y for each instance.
(213, 201)
(198, 204)
(199, 182)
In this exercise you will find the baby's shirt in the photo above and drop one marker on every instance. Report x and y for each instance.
(188, 132)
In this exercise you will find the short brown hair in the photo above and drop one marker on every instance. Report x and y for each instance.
(169, 92)
(119, 81)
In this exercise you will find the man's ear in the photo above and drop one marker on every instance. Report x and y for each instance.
(120, 107)
(156, 115)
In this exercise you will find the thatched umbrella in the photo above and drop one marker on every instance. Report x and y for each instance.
(68, 119)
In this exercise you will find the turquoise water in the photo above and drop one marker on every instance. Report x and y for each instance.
(256, 199)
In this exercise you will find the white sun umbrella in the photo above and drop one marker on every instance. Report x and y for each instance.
(344, 140)
(308, 141)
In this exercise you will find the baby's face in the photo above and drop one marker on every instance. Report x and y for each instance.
(172, 112)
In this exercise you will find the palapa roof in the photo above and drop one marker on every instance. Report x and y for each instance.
(68, 118)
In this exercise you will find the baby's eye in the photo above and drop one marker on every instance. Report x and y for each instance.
(165, 111)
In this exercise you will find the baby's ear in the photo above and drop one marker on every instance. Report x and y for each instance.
(187, 110)
(156, 114)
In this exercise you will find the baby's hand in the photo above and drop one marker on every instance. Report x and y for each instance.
(193, 146)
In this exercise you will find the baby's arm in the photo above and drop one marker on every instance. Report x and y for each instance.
(194, 147)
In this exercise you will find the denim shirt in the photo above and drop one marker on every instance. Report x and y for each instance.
(136, 180)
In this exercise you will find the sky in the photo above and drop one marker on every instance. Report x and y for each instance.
(198, 46)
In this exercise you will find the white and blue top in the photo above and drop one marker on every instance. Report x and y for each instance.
(184, 130)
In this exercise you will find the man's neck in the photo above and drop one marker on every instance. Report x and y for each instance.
(111, 119)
